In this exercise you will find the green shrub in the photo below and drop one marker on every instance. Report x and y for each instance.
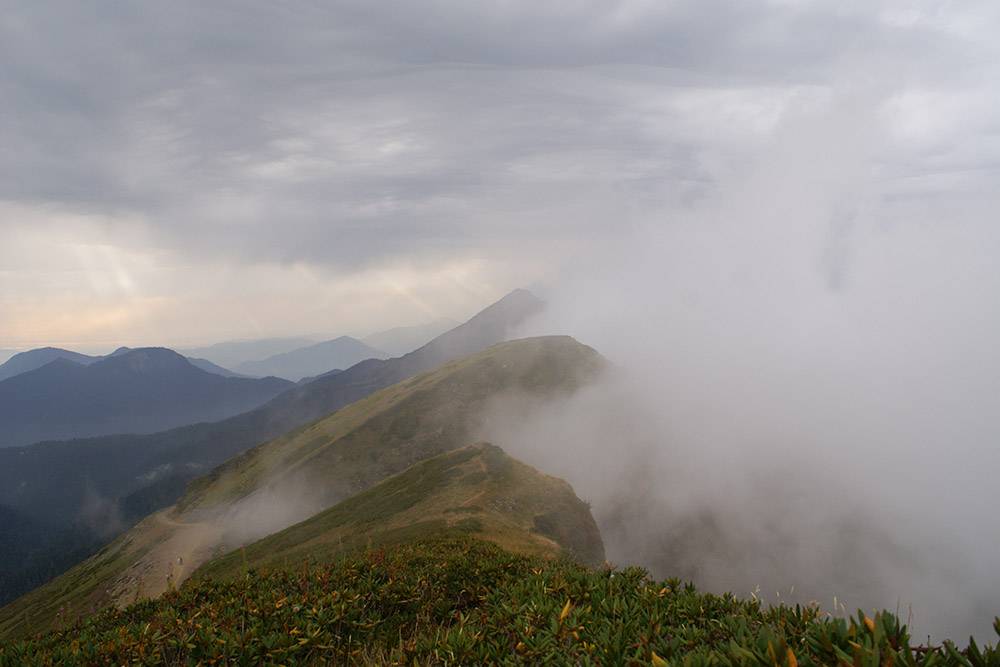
(459, 601)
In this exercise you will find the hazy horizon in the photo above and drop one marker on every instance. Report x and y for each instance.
(99, 349)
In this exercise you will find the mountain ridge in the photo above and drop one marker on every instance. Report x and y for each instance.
(232, 353)
(107, 484)
(476, 490)
(29, 360)
(314, 467)
(314, 360)
(400, 340)
(133, 391)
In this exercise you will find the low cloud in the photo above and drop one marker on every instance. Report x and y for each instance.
(804, 392)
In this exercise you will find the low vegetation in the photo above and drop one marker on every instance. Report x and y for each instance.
(476, 491)
(463, 601)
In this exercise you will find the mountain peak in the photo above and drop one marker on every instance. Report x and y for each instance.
(495, 323)
(147, 360)
(313, 360)
(135, 391)
(518, 304)
(32, 359)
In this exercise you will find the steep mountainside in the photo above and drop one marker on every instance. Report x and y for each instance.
(339, 353)
(34, 551)
(131, 391)
(401, 340)
(293, 477)
(476, 490)
(108, 483)
(384, 433)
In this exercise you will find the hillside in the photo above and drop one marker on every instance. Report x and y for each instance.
(132, 391)
(34, 551)
(100, 486)
(406, 423)
(462, 601)
(294, 476)
(55, 480)
(476, 490)
(313, 360)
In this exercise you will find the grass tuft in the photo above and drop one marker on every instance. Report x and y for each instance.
(463, 601)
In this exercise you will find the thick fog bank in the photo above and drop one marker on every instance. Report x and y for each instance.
(807, 383)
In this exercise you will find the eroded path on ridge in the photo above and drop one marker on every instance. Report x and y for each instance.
(479, 494)
(176, 549)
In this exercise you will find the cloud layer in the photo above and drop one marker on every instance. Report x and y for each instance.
(180, 171)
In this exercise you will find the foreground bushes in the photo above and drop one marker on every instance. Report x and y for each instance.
(460, 601)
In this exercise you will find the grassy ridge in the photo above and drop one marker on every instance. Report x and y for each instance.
(476, 490)
(336, 457)
(387, 432)
(463, 601)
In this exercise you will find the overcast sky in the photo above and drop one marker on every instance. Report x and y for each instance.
(184, 172)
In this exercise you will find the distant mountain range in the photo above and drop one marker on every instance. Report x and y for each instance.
(298, 359)
(400, 340)
(130, 391)
(32, 359)
(313, 360)
(22, 362)
(108, 483)
(291, 358)
(230, 354)
(209, 367)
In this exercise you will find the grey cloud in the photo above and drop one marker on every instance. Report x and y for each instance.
(806, 390)
(371, 130)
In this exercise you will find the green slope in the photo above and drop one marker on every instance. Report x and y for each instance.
(391, 430)
(53, 482)
(476, 490)
(333, 458)
(461, 601)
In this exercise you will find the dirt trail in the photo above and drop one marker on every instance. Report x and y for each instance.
(178, 548)
(479, 494)
(165, 518)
